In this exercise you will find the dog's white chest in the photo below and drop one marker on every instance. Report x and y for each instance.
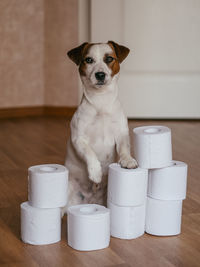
(101, 131)
(101, 136)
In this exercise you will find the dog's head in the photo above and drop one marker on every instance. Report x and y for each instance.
(98, 63)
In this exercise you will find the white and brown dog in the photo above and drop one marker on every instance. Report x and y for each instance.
(99, 128)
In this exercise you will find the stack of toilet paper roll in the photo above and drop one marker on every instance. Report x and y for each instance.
(127, 190)
(41, 214)
(167, 180)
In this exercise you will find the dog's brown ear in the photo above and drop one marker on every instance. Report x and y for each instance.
(76, 53)
(120, 50)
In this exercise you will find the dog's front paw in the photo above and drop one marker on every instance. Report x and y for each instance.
(128, 162)
(95, 171)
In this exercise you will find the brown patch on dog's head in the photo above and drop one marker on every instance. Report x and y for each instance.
(83, 64)
(114, 64)
(119, 54)
(78, 54)
(120, 50)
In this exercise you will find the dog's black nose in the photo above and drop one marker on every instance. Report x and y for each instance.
(100, 76)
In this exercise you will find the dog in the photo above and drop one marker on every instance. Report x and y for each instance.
(99, 128)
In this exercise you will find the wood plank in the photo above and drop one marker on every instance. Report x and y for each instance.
(21, 112)
(16, 112)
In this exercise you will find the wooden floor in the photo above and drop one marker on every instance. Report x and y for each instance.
(30, 141)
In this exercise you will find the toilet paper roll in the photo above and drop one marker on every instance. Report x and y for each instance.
(40, 226)
(152, 146)
(126, 222)
(88, 227)
(127, 187)
(168, 183)
(47, 186)
(163, 217)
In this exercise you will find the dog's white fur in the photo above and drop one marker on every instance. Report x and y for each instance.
(99, 129)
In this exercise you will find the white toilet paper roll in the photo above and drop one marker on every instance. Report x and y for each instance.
(40, 226)
(88, 227)
(168, 183)
(127, 187)
(152, 146)
(47, 186)
(163, 217)
(126, 222)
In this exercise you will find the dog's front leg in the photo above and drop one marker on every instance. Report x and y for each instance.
(123, 150)
(86, 153)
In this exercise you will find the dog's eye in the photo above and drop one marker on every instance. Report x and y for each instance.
(109, 59)
(89, 60)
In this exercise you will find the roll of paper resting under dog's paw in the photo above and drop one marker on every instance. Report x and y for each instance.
(127, 187)
(168, 183)
(163, 217)
(40, 226)
(47, 186)
(152, 146)
(88, 227)
(126, 222)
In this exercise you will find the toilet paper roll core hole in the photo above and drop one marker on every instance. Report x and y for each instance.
(88, 210)
(152, 130)
(48, 169)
